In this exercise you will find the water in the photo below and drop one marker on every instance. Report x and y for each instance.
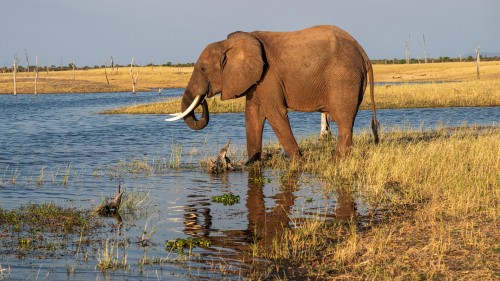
(57, 148)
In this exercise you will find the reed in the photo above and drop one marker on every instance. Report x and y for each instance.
(435, 195)
(14, 175)
(41, 177)
(108, 258)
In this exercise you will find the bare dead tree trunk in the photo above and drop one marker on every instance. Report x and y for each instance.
(112, 65)
(134, 79)
(74, 67)
(27, 60)
(106, 72)
(36, 74)
(407, 43)
(478, 60)
(14, 71)
(424, 47)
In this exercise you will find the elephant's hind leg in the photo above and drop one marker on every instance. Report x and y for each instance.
(344, 113)
(281, 127)
(344, 140)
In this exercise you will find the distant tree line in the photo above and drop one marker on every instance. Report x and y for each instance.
(435, 60)
(20, 68)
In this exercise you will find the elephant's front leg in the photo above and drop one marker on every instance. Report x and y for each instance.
(254, 126)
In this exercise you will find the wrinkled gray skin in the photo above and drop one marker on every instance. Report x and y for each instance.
(320, 68)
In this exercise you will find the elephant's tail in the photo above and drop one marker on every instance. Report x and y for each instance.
(375, 124)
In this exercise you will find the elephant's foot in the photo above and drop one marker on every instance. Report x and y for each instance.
(252, 160)
(341, 153)
(296, 158)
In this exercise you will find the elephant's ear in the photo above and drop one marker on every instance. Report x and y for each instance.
(242, 65)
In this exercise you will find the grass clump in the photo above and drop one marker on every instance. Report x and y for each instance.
(44, 218)
(46, 230)
(435, 195)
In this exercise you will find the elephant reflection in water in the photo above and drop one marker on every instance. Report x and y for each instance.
(264, 224)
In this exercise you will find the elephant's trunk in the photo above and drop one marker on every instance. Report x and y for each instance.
(190, 118)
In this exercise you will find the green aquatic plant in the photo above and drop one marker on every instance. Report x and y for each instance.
(181, 244)
(261, 180)
(226, 199)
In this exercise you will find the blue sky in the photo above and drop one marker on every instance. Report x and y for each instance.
(90, 31)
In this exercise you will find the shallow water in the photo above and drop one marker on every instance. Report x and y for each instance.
(57, 148)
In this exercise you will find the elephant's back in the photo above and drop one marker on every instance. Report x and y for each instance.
(317, 42)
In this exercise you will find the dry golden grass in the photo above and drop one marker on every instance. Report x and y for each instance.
(436, 198)
(456, 94)
(173, 105)
(451, 71)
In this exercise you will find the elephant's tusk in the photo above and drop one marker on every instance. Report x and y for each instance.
(193, 105)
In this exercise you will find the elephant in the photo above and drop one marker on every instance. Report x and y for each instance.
(317, 69)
